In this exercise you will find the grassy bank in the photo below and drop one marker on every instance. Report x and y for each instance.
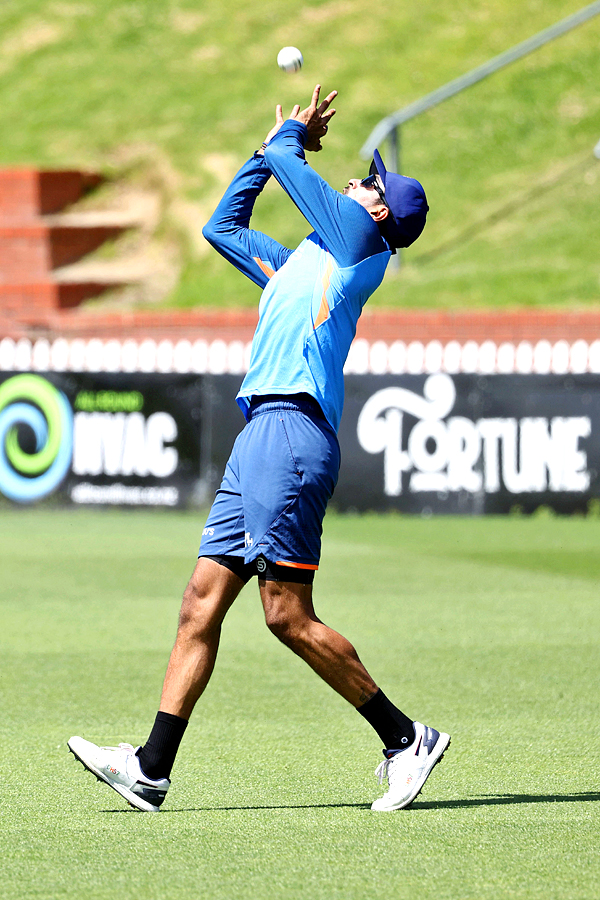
(188, 91)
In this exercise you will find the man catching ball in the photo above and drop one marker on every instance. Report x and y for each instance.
(267, 516)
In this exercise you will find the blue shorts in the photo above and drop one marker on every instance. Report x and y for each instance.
(281, 473)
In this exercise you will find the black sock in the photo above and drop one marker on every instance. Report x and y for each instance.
(393, 727)
(158, 753)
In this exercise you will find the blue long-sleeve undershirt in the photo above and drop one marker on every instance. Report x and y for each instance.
(344, 226)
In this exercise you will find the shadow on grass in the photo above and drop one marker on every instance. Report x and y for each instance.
(190, 809)
(483, 800)
(508, 800)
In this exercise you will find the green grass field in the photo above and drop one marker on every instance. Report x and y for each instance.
(487, 628)
(180, 93)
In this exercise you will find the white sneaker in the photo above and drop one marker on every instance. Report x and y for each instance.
(408, 770)
(120, 768)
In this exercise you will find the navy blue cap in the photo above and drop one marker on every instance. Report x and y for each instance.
(408, 204)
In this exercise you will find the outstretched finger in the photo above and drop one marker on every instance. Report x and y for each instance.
(327, 116)
(325, 103)
(279, 114)
(295, 111)
(315, 96)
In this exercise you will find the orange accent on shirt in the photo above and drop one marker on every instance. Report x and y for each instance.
(323, 313)
(281, 562)
(269, 272)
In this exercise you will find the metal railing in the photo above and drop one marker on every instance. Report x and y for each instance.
(389, 128)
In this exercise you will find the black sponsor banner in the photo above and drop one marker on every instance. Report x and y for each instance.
(101, 438)
(470, 443)
(417, 443)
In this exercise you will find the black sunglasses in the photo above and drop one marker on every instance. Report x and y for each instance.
(371, 182)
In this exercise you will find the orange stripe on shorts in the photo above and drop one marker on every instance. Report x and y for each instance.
(281, 562)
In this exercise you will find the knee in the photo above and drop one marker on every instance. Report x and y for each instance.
(290, 627)
(190, 603)
(289, 613)
(197, 616)
(280, 624)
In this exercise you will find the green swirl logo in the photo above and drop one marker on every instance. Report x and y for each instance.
(31, 400)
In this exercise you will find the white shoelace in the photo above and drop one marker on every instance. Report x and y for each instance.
(382, 769)
(386, 768)
(128, 747)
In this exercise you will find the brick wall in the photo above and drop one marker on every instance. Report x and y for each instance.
(36, 240)
(377, 325)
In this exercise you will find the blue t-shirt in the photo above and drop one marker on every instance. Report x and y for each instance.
(312, 296)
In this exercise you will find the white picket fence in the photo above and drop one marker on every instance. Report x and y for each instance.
(220, 357)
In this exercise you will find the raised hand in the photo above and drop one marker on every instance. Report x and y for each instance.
(316, 117)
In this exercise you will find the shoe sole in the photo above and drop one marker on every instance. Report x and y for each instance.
(129, 796)
(444, 740)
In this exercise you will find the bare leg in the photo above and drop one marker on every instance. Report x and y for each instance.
(290, 615)
(207, 598)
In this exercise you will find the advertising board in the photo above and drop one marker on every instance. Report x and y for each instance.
(470, 443)
(100, 439)
(423, 444)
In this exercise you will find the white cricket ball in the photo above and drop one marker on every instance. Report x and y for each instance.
(290, 59)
